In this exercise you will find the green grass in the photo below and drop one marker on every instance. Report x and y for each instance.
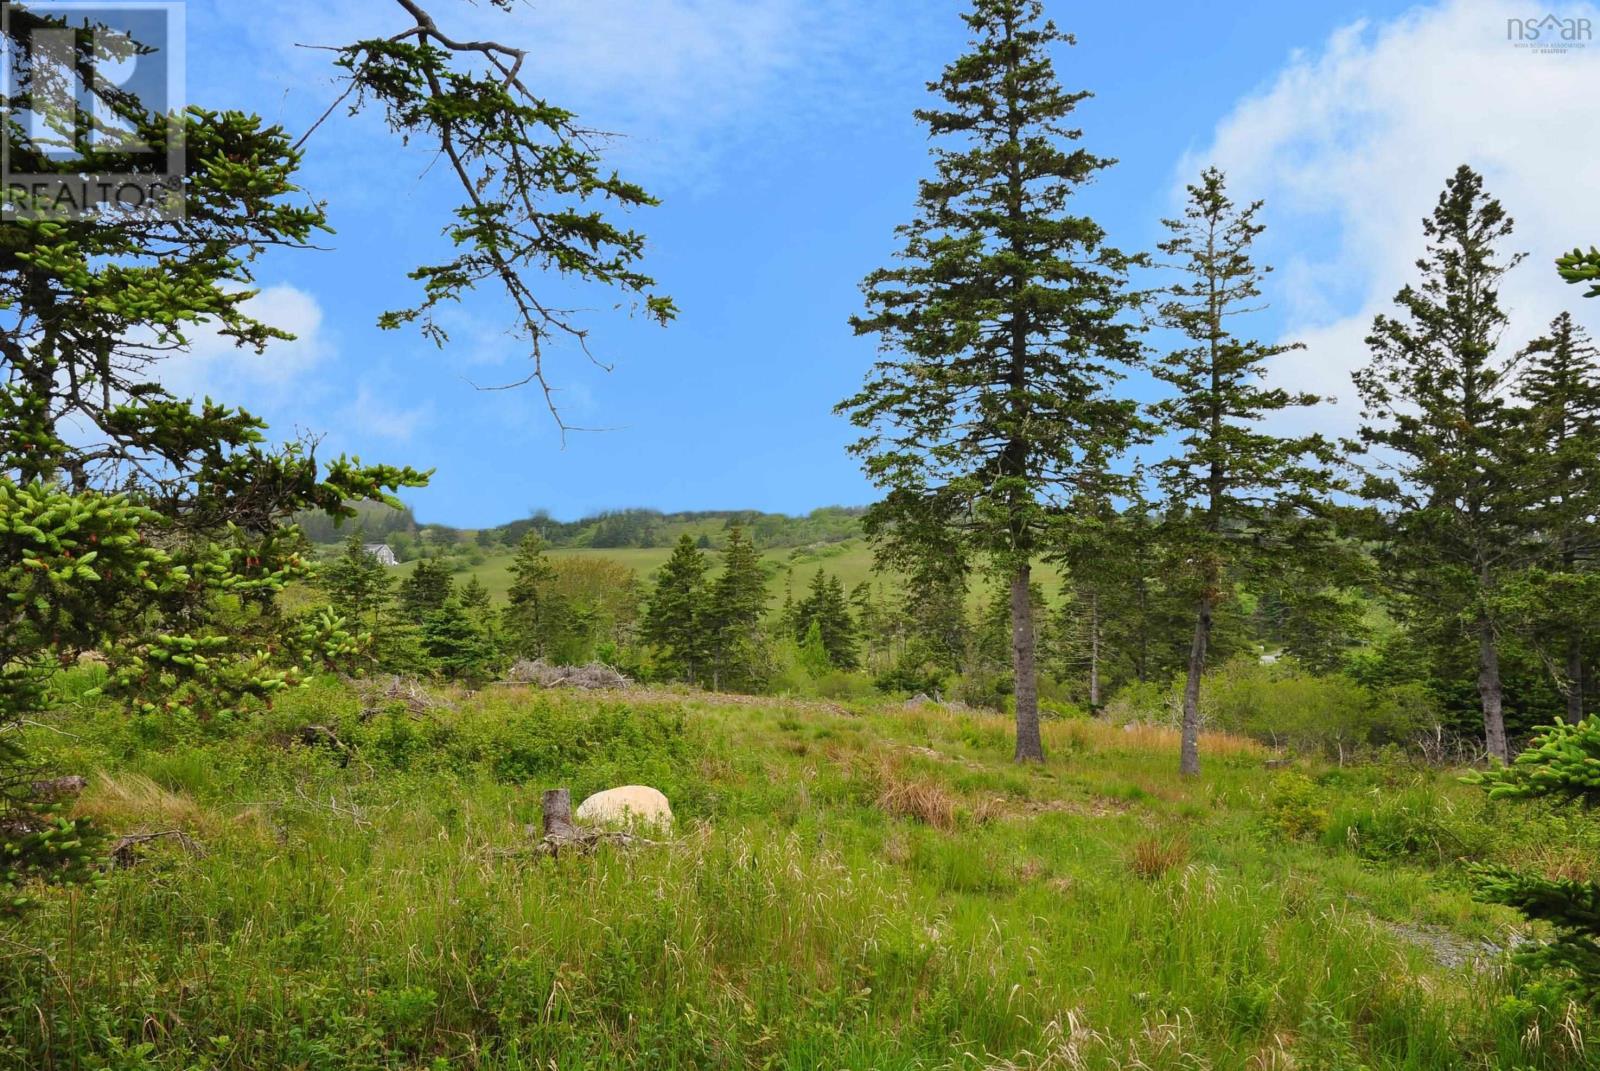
(851, 560)
(865, 888)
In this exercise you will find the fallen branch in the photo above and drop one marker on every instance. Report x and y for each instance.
(56, 789)
(123, 851)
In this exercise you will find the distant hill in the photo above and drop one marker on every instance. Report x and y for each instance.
(612, 529)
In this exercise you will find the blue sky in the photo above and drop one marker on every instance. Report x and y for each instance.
(779, 136)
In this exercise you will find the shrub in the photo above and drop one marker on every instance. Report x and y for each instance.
(1416, 825)
(1294, 807)
(1562, 763)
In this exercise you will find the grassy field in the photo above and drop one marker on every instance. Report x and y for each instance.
(850, 560)
(873, 887)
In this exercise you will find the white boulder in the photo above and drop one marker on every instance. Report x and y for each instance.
(628, 806)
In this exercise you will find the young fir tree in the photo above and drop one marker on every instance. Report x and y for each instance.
(1436, 414)
(876, 624)
(828, 608)
(1308, 607)
(1559, 388)
(738, 598)
(1561, 765)
(358, 585)
(925, 632)
(535, 613)
(479, 608)
(427, 588)
(1230, 488)
(675, 619)
(1003, 325)
(457, 645)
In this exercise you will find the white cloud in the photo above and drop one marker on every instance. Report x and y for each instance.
(683, 82)
(370, 416)
(213, 365)
(1354, 142)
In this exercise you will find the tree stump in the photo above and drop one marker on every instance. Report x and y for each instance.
(558, 815)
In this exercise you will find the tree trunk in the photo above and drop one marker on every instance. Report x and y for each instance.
(1574, 680)
(1030, 747)
(1189, 761)
(1490, 692)
(558, 814)
(1094, 653)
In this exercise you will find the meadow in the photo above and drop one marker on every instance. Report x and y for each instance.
(788, 568)
(847, 886)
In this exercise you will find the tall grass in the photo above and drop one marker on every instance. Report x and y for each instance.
(865, 889)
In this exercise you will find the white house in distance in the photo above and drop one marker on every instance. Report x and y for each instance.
(381, 552)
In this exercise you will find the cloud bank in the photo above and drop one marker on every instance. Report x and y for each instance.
(1350, 146)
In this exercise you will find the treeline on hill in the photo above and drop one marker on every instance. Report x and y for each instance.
(400, 530)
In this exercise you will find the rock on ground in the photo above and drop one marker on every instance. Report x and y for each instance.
(630, 805)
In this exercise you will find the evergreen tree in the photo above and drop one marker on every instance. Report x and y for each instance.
(1308, 608)
(455, 644)
(813, 654)
(427, 588)
(931, 627)
(479, 608)
(1561, 764)
(1435, 410)
(1104, 572)
(827, 607)
(149, 527)
(475, 598)
(1230, 489)
(738, 598)
(1004, 325)
(536, 615)
(358, 585)
(876, 624)
(1559, 387)
(675, 619)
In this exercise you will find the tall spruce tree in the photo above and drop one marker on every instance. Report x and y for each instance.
(675, 618)
(1002, 325)
(1230, 487)
(1559, 388)
(1441, 432)
(737, 600)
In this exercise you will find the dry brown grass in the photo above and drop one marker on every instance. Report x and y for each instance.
(921, 801)
(935, 723)
(1155, 856)
(918, 799)
(129, 799)
(1558, 862)
(1138, 737)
